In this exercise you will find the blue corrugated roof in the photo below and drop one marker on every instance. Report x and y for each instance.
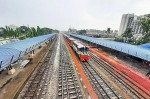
(133, 50)
(146, 45)
(19, 48)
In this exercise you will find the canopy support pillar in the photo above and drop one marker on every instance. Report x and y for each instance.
(10, 67)
(1, 66)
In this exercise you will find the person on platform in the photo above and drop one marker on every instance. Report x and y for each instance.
(148, 74)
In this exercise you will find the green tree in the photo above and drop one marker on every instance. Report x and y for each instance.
(1, 32)
(7, 32)
(127, 34)
(108, 30)
(23, 29)
(12, 33)
(46, 30)
(4, 33)
(82, 32)
(119, 39)
(24, 32)
(29, 33)
(34, 32)
(39, 31)
(17, 32)
(145, 24)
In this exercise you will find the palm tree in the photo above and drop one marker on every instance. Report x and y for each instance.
(108, 31)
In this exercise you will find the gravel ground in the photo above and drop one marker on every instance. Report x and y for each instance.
(52, 88)
(16, 83)
(4, 77)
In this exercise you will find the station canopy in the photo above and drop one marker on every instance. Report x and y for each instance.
(133, 50)
(146, 46)
(11, 52)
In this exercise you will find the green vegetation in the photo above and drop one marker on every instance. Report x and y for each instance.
(119, 39)
(108, 30)
(82, 32)
(128, 37)
(145, 23)
(23, 32)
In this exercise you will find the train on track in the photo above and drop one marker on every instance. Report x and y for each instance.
(80, 49)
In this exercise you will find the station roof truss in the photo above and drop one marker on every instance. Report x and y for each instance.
(11, 52)
(133, 50)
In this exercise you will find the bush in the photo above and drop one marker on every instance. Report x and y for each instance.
(22, 37)
(119, 39)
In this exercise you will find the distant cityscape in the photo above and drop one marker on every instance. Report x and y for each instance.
(131, 21)
(127, 21)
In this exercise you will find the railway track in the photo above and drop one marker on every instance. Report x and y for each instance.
(103, 89)
(68, 85)
(37, 85)
(120, 79)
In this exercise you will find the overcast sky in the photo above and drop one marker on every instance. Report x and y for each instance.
(62, 14)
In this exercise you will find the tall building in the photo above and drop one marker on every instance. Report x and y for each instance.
(125, 23)
(131, 21)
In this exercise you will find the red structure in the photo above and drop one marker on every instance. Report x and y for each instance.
(82, 74)
(79, 48)
(142, 83)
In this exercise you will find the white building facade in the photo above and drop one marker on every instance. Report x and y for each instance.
(131, 21)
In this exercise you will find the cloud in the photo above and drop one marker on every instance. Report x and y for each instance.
(61, 14)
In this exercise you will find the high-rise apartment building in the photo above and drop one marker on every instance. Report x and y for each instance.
(131, 21)
(125, 23)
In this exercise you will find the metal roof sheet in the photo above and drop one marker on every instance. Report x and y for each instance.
(11, 52)
(133, 50)
(146, 46)
(71, 38)
(79, 44)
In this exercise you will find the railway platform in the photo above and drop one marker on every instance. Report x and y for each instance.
(56, 72)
